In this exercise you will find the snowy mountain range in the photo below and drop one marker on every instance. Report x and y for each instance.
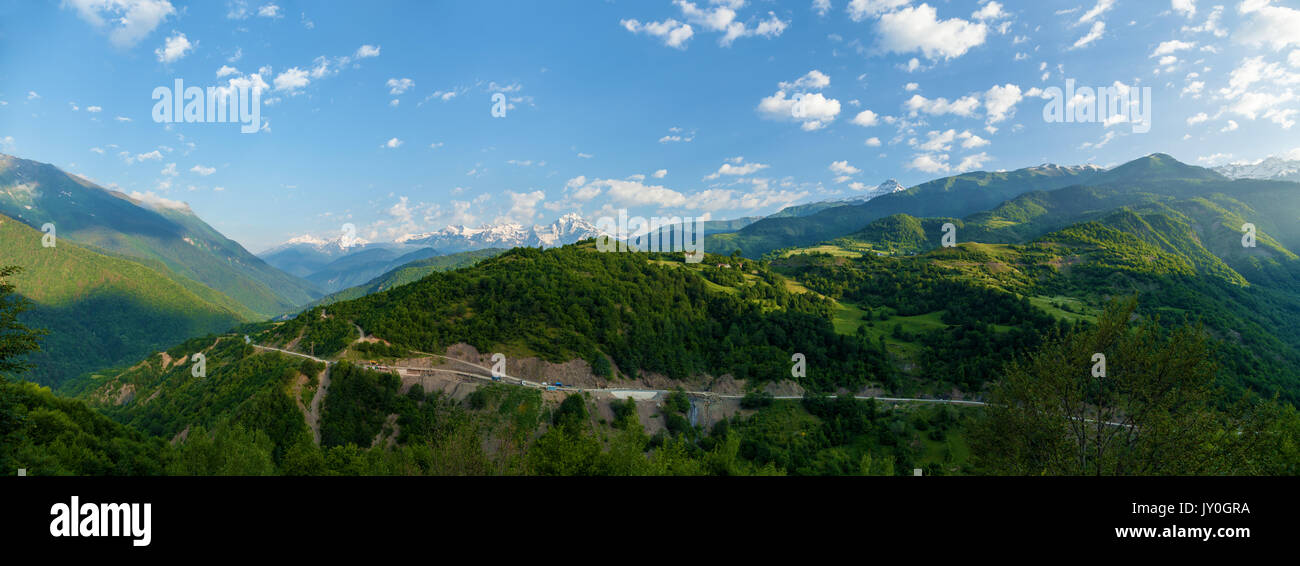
(1271, 169)
(567, 229)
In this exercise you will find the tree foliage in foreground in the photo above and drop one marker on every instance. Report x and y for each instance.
(1156, 410)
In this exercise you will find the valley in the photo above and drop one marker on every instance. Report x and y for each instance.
(643, 363)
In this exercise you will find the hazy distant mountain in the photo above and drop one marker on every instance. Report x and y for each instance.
(567, 229)
(953, 196)
(888, 187)
(304, 255)
(145, 227)
(1269, 169)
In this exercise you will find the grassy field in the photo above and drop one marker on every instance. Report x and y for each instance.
(1048, 304)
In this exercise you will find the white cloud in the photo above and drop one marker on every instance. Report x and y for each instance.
(174, 48)
(393, 143)
(929, 163)
(204, 171)
(990, 11)
(843, 168)
(1184, 7)
(862, 9)
(721, 18)
(1199, 118)
(972, 162)
(270, 11)
(1000, 102)
(918, 29)
(523, 206)
(735, 167)
(399, 86)
(93, 109)
(291, 80)
(813, 110)
(1096, 11)
(939, 141)
(1211, 24)
(152, 200)
(673, 33)
(1172, 46)
(1232, 126)
(169, 170)
(1095, 33)
(813, 80)
(226, 70)
(872, 142)
(128, 21)
(821, 6)
(1274, 26)
(971, 141)
(366, 51)
(964, 106)
(866, 119)
(660, 174)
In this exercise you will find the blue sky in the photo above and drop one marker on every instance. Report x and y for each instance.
(379, 113)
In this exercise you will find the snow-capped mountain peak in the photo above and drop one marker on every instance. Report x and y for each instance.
(1272, 168)
(887, 187)
(565, 230)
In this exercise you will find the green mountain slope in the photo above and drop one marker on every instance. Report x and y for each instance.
(642, 312)
(102, 310)
(409, 273)
(36, 193)
(954, 196)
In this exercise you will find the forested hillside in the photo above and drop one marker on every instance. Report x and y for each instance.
(101, 310)
(643, 313)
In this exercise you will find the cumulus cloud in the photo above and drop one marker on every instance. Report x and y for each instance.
(1274, 26)
(736, 166)
(672, 32)
(291, 80)
(964, 106)
(1000, 102)
(918, 28)
(843, 168)
(812, 109)
(399, 86)
(127, 21)
(929, 163)
(866, 119)
(174, 48)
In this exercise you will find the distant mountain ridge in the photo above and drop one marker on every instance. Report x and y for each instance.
(565, 230)
(147, 228)
(1269, 169)
(955, 196)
